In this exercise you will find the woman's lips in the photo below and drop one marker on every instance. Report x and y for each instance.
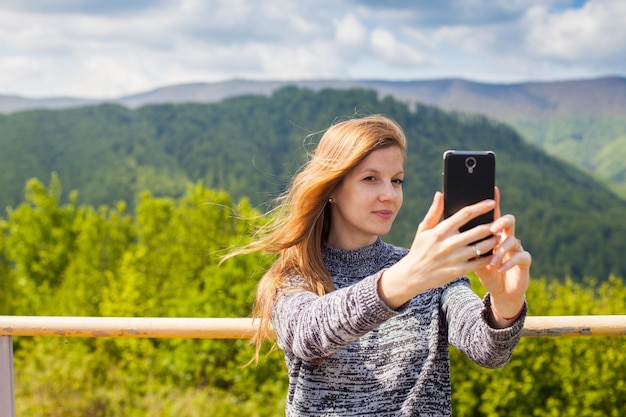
(385, 214)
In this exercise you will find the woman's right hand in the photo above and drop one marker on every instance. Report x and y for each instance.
(439, 253)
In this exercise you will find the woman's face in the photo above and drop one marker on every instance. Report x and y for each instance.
(367, 200)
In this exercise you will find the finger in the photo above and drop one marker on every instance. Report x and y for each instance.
(510, 244)
(477, 249)
(482, 234)
(520, 259)
(504, 224)
(475, 264)
(506, 250)
(431, 219)
(468, 213)
(496, 194)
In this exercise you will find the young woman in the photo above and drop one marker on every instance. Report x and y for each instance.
(365, 325)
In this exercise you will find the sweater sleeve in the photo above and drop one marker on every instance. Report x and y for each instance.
(469, 330)
(313, 327)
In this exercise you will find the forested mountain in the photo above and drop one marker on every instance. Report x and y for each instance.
(251, 145)
(580, 121)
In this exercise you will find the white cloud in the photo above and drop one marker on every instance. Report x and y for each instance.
(318, 60)
(467, 38)
(15, 69)
(76, 48)
(595, 31)
(386, 45)
(349, 31)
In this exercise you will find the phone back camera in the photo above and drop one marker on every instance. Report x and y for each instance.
(470, 164)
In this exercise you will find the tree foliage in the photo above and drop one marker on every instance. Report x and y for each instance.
(595, 142)
(65, 259)
(250, 146)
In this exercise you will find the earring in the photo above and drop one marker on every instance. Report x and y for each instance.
(330, 200)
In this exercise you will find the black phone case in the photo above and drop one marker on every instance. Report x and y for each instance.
(468, 177)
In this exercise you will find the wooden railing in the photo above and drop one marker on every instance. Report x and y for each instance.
(223, 328)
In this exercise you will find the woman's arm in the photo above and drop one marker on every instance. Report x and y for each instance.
(469, 328)
(440, 253)
(313, 327)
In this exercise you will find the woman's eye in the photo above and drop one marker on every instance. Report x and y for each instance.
(370, 178)
(398, 181)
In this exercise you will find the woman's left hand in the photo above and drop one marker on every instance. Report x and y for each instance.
(508, 274)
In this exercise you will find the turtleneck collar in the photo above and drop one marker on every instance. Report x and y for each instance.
(360, 262)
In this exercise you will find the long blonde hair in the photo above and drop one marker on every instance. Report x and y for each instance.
(301, 220)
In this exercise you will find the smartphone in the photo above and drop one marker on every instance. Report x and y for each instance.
(468, 177)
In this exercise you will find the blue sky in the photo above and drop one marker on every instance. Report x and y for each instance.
(104, 49)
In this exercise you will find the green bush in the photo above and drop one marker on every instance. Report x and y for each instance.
(162, 262)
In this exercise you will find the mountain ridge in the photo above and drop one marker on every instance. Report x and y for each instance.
(446, 93)
(580, 121)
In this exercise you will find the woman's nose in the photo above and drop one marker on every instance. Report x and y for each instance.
(389, 192)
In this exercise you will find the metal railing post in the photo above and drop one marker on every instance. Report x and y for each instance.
(7, 392)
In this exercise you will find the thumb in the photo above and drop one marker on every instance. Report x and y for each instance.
(432, 217)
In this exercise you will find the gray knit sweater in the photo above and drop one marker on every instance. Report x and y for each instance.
(348, 354)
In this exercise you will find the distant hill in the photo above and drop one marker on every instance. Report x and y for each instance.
(251, 145)
(580, 121)
(603, 96)
(13, 104)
